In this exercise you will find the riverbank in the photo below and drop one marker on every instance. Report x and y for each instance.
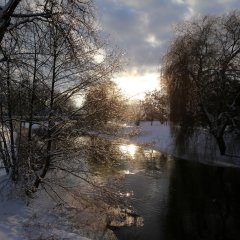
(43, 218)
(85, 216)
(33, 219)
(200, 146)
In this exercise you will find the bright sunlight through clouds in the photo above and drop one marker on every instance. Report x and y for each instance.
(134, 86)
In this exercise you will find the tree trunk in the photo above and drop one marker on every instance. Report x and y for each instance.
(32, 96)
(50, 119)
(11, 129)
(5, 16)
(4, 150)
(221, 144)
(216, 132)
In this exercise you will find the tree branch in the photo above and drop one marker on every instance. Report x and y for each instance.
(5, 16)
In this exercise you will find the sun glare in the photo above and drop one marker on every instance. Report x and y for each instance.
(130, 150)
(134, 86)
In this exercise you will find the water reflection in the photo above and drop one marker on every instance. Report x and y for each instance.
(181, 199)
(150, 153)
(178, 199)
(150, 188)
(129, 149)
(127, 172)
(204, 202)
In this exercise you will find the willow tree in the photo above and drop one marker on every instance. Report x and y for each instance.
(201, 70)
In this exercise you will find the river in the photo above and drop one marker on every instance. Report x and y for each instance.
(179, 199)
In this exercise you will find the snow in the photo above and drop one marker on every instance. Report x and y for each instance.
(35, 125)
(158, 135)
(13, 211)
(39, 218)
(13, 214)
(201, 146)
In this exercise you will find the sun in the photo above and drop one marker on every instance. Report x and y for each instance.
(134, 86)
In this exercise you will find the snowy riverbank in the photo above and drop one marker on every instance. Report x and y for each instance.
(41, 218)
(201, 146)
(34, 219)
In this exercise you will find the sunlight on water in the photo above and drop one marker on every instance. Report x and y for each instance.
(129, 150)
(128, 172)
(127, 194)
(150, 153)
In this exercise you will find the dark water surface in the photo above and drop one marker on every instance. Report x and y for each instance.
(181, 199)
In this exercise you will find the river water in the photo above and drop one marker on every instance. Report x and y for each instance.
(179, 199)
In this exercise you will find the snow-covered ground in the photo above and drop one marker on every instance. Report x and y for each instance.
(31, 219)
(37, 219)
(13, 214)
(201, 146)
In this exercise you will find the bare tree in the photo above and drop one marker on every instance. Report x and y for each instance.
(6, 13)
(55, 53)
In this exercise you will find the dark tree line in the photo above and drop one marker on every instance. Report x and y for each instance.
(202, 74)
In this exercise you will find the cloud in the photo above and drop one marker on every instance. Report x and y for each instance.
(141, 28)
(144, 28)
(213, 7)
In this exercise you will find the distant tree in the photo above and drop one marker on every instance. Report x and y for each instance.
(135, 111)
(202, 74)
(155, 106)
(104, 106)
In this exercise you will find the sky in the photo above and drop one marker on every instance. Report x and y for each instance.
(143, 29)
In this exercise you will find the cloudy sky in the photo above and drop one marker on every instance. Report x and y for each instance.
(144, 28)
